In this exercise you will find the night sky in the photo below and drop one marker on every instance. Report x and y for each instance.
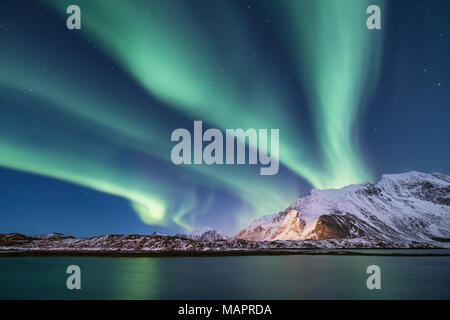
(86, 115)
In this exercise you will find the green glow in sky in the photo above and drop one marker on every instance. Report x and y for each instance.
(338, 53)
(169, 54)
(173, 60)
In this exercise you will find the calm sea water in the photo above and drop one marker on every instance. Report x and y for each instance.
(243, 277)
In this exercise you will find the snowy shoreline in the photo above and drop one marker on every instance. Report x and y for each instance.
(406, 252)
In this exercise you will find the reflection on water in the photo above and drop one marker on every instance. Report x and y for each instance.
(251, 277)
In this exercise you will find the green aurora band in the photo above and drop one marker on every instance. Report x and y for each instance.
(340, 56)
(177, 64)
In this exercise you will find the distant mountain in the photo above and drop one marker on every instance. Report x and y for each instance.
(19, 244)
(204, 234)
(412, 206)
(409, 210)
(53, 235)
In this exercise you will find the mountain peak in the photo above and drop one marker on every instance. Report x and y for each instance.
(205, 234)
(406, 206)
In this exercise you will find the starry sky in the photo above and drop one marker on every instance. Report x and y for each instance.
(86, 115)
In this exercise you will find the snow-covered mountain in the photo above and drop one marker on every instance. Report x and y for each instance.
(205, 234)
(412, 206)
(15, 243)
(409, 210)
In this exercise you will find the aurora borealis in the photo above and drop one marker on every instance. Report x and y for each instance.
(92, 110)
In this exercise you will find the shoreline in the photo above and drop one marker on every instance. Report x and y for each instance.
(228, 253)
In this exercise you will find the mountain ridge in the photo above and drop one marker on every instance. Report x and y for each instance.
(204, 234)
(407, 210)
(411, 206)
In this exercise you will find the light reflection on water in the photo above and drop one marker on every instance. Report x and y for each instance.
(242, 277)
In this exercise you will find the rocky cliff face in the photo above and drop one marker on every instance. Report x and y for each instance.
(411, 206)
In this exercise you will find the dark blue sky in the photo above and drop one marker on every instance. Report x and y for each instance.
(405, 125)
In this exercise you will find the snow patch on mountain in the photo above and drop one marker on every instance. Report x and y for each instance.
(205, 234)
(411, 206)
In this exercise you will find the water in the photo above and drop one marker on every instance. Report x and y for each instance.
(242, 277)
